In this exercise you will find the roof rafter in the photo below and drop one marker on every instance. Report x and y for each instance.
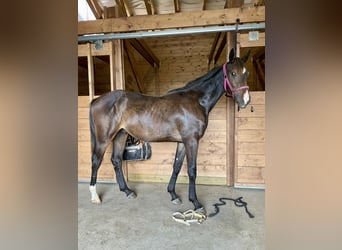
(95, 8)
(220, 48)
(204, 4)
(145, 51)
(177, 5)
(213, 46)
(150, 7)
(124, 8)
(132, 63)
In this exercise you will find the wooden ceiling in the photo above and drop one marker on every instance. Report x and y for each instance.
(106, 8)
(113, 16)
(116, 16)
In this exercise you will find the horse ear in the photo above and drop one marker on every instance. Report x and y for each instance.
(231, 54)
(245, 58)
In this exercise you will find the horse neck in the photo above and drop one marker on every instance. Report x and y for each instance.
(212, 92)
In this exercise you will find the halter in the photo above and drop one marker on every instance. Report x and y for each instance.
(227, 83)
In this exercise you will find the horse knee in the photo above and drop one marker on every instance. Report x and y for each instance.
(95, 161)
(117, 162)
(192, 173)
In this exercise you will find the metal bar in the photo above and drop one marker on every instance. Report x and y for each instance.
(171, 32)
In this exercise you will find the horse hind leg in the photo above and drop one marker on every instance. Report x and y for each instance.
(96, 159)
(119, 143)
(177, 165)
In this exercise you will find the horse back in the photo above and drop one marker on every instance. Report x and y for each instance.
(167, 118)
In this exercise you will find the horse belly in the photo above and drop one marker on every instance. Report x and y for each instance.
(148, 128)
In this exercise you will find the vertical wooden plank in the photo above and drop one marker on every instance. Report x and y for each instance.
(250, 141)
(112, 65)
(118, 65)
(90, 73)
(237, 45)
(118, 69)
(237, 54)
(230, 124)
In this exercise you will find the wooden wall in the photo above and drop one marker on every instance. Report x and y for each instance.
(182, 59)
(106, 171)
(250, 143)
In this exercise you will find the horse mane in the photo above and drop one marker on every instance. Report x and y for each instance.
(196, 84)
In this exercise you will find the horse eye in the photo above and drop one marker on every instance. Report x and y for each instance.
(233, 73)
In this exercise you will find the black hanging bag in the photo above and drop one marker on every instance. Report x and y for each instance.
(137, 150)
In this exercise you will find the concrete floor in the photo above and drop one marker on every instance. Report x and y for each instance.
(146, 222)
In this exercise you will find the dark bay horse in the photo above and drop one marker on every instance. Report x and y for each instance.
(179, 116)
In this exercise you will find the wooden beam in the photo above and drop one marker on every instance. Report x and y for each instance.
(176, 20)
(245, 42)
(147, 48)
(140, 49)
(83, 49)
(95, 8)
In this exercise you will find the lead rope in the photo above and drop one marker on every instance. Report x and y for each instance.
(238, 202)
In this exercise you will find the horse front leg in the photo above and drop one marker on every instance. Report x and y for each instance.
(177, 165)
(119, 143)
(191, 147)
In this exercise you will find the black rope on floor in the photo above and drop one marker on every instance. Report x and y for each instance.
(238, 202)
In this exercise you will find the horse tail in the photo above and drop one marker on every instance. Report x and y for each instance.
(92, 128)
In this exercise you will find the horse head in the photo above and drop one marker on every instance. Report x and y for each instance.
(235, 81)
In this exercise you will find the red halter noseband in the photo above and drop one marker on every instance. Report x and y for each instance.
(227, 83)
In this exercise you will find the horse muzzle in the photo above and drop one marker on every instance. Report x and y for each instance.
(244, 100)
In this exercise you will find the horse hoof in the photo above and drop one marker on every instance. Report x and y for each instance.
(132, 195)
(201, 210)
(177, 201)
(96, 201)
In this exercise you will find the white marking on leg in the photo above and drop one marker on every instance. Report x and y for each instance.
(246, 97)
(94, 196)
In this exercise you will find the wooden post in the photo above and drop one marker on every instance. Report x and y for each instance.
(237, 52)
(112, 65)
(119, 65)
(230, 129)
(118, 71)
(90, 73)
